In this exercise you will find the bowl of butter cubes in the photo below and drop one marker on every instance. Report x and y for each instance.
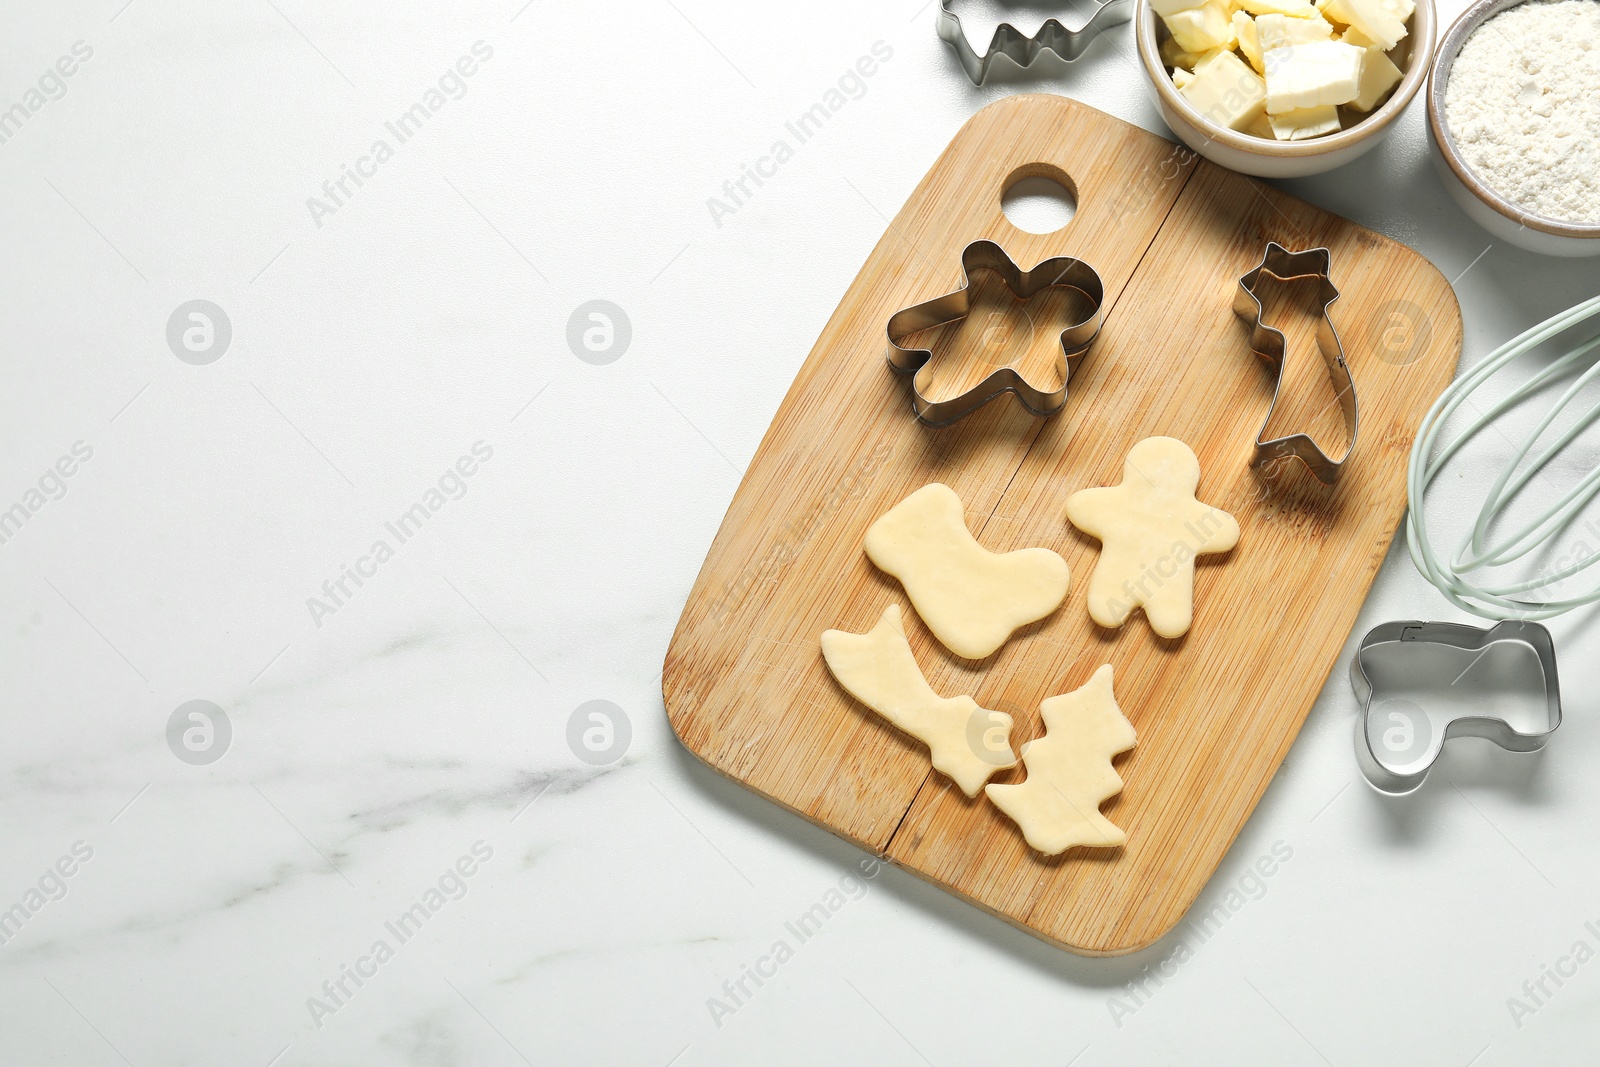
(1284, 88)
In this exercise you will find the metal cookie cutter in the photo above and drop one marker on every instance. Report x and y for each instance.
(1022, 49)
(1061, 271)
(1268, 343)
(1498, 684)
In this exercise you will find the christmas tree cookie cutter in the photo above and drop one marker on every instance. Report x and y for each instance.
(1269, 344)
(1468, 675)
(1060, 271)
(1021, 49)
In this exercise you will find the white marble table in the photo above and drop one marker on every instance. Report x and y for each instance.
(396, 768)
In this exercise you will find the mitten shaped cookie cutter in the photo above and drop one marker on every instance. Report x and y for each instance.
(1022, 49)
(1398, 740)
(1063, 271)
(1269, 344)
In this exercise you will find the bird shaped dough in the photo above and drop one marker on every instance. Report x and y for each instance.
(966, 742)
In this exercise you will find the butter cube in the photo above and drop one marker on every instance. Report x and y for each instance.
(1177, 57)
(1276, 31)
(1181, 77)
(1245, 28)
(1203, 28)
(1400, 9)
(1378, 76)
(1378, 22)
(1312, 74)
(1167, 8)
(1357, 38)
(1260, 126)
(1226, 91)
(1301, 9)
(1302, 123)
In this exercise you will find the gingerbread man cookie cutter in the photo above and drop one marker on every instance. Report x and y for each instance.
(1022, 49)
(1455, 669)
(1060, 271)
(1268, 343)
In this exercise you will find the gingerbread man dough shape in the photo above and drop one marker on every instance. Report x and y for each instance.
(972, 599)
(967, 743)
(1151, 528)
(1069, 771)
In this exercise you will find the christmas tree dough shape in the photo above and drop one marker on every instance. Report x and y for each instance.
(972, 599)
(1151, 528)
(878, 669)
(1069, 771)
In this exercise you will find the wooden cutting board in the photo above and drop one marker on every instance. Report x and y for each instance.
(745, 685)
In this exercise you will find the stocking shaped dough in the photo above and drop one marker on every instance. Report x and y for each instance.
(971, 598)
(1069, 771)
(1151, 528)
(967, 742)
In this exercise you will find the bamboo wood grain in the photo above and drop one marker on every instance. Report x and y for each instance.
(744, 682)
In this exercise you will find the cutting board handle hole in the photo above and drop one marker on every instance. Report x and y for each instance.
(1039, 198)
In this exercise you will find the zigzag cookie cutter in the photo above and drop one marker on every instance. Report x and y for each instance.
(1063, 271)
(1269, 344)
(1024, 50)
(1398, 741)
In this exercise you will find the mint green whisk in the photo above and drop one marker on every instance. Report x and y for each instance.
(1455, 578)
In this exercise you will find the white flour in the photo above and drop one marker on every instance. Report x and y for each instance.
(1523, 105)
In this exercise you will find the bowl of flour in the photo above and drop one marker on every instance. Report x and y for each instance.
(1514, 117)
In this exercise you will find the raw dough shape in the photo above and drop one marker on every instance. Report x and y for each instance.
(972, 599)
(1069, 771)
(878, 669)
(1151, 528)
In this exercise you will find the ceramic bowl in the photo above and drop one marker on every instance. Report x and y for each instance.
(1283, 159)
(1503, 219)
